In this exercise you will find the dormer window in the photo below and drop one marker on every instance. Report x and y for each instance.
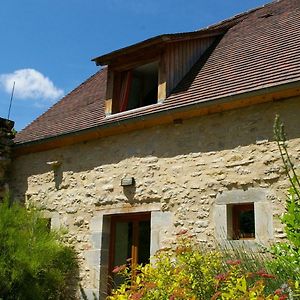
(146, 73)
(135, 88)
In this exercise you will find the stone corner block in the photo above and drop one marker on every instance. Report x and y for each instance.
(96, 223)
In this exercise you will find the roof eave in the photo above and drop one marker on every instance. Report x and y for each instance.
(157, 40)
(274, 93)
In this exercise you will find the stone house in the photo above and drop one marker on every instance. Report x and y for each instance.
(175, 132)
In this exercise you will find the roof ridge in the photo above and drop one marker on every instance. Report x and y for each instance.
(235, 18)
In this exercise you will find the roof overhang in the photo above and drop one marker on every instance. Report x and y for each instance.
(157, 42)
(262, 95)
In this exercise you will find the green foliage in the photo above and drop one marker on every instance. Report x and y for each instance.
(34, 263)
(185, 272)
(238, 284)
(193, 272)
(287, 255)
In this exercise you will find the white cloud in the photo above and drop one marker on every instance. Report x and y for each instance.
(31, 85)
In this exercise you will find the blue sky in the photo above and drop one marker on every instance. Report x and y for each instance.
(47, 45)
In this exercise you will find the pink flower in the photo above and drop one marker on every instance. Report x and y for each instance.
(264, 274)
(221, 277)
(260, 272)
(118, 269)
(278, 292)
(182, 231)
(233, 262)
(136, 296)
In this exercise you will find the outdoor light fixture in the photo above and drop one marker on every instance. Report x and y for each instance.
(127, 181)
(54, 164)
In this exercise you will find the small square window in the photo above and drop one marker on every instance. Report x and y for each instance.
(241, 221)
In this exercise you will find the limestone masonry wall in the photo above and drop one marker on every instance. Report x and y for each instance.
(190, 170)
(6, 142)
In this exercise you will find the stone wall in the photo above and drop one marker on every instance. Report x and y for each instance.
(185, 175)
(6, 143)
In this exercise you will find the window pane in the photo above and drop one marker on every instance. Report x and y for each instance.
(123, 242)
(131, 237)
(242, 224)
(122, 251)
(247, 228)
(144, 242)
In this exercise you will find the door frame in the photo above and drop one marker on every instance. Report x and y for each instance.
(135, 218)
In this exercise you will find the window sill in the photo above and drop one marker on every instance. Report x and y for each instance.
(134, 110)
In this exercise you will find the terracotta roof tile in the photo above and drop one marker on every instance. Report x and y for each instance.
(80, 109)
(262, 49)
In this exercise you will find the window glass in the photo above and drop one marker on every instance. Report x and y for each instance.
(130, 242)
(241, 221)
(136, 87)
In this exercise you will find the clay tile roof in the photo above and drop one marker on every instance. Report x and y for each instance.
(82, 108)
(260, 49)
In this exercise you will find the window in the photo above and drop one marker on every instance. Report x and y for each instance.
(244, 217)
(241, 221)
(136, 87)
(130, 239)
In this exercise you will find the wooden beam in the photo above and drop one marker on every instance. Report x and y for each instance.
(162, 79)
(156, 42)
(109, 92)
(108, 107)
(125, 63)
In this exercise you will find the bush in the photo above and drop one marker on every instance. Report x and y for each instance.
(238, 284)
(34, 263)
(186, 272)
(287, 255)
(191, 271)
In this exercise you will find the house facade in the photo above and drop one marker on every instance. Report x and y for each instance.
(175, 132)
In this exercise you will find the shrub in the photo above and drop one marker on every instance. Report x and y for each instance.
(34, 263)
(185, 272)
(238, 284)
(287, 255)
(192, 272)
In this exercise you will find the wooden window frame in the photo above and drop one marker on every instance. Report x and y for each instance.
(135, 218)
(114, 72)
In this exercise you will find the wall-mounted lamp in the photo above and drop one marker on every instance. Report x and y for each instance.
(54, 164)
(127, 181)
